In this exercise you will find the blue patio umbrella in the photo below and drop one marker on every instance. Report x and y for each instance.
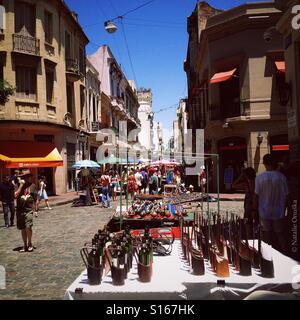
(85, 164)
(113, 160)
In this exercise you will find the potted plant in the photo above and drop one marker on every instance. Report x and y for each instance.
(6, 90)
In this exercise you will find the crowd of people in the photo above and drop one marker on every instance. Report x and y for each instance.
(138, 181)
(265, 204)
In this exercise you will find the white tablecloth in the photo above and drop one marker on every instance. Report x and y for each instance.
(172, 279)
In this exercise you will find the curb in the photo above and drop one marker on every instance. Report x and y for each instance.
(234, 199)
(61, 203)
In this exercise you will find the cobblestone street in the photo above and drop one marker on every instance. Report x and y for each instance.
(58, 235)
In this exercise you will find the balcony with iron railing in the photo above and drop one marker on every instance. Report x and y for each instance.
(119, 104)
(26, 44)
(235, 110)
(72, 69)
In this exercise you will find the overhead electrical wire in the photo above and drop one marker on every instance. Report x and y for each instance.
(132, 10)
(129, 55)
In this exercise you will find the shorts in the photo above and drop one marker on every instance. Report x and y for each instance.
(24, 220)
(272, 225)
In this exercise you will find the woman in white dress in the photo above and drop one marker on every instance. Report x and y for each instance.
(42, 194)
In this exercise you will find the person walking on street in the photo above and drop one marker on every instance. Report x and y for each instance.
(138, 179)
(144, 180)
(114, 185)
(132, 185)
(7, 190)
(105, 182)
(42, 195)
(154, 183)
(270, 202)
(26, 195)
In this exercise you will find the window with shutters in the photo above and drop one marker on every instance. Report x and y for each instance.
(70, 97)
(81, 60)
(25, 19)
(48, 27)
(26, 82)
(68, 52)
(82, 101)
(49, 85)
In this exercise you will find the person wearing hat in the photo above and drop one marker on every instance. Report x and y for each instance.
(26, 196)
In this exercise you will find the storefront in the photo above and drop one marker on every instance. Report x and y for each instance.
(233, 157)
(40, 157)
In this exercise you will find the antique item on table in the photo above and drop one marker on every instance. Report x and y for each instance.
(244, 251)
(93, 263)
(118, 272)
(197, 260)
(266, 262)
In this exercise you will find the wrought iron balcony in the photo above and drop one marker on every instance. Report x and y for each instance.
(72, 69)
(26, 44)
(72, 65)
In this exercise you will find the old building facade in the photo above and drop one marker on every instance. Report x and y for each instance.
(145, 115)
(93, 108)
(119, 100)
(43, 55)
(235, 78)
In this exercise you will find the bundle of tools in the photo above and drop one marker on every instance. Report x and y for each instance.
(224, 244)
(114, 252)
(152, 210)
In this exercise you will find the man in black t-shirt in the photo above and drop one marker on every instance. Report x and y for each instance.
(26, 195)
(7, 191)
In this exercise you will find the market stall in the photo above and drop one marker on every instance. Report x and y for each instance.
(172, 279)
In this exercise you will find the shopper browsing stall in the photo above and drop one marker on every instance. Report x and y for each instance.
(105, 182)
(26, 195)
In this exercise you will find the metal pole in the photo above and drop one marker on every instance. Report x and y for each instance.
(207, 194)
(218, 184)
(127, 181)
(207, 183)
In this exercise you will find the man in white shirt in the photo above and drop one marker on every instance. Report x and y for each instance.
(138, 179)
(271, 191)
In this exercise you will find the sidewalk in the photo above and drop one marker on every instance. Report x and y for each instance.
(61, 199)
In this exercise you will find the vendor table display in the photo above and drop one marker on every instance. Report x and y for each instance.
(214, 258)
(172, 278)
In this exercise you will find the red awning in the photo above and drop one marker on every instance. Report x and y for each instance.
(280, 65)
(29, 154)
(222, 76)
(281, 147)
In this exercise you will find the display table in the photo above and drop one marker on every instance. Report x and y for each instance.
(172, 280)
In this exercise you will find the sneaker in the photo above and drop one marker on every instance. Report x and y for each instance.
(7, 226)
(49, 208)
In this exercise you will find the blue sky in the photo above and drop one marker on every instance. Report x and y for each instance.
(157, 41)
